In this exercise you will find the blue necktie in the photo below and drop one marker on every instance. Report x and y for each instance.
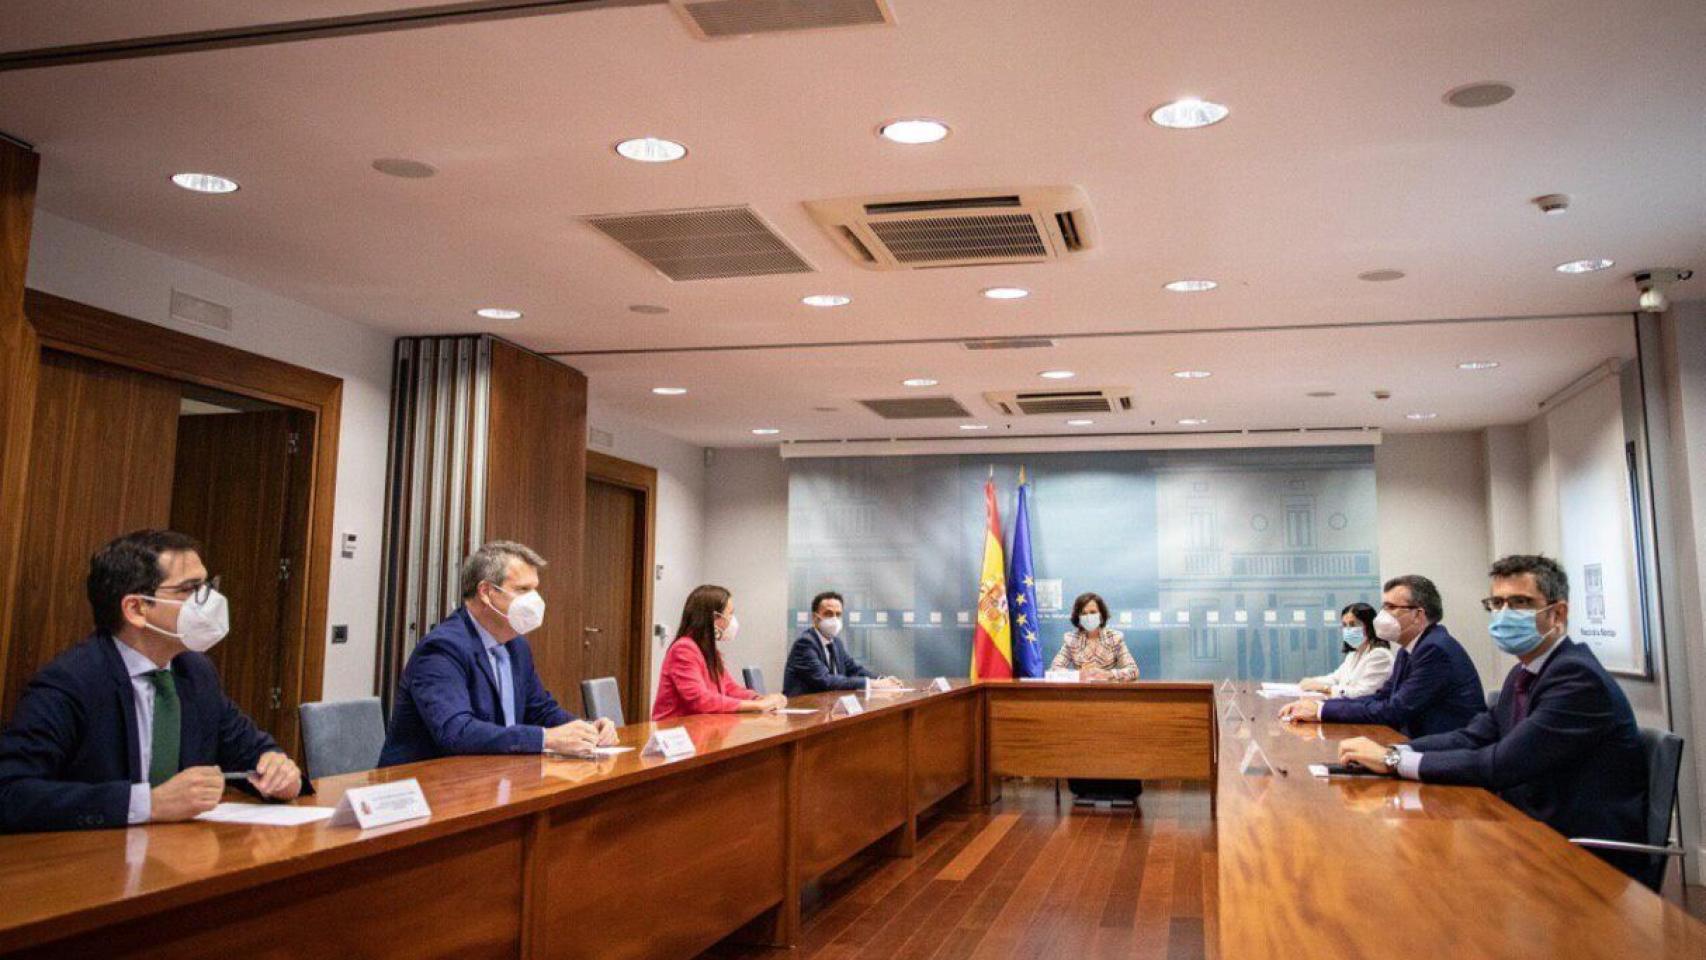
(506, 684)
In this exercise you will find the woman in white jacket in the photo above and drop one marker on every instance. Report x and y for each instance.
(1367, 664)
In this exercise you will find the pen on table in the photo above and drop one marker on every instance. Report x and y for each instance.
(235, 776)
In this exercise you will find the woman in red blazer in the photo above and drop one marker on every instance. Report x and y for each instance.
(693, 679)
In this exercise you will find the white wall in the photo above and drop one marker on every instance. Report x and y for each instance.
(86, 265)
(679, 544)
(1432, 494)
(746, 550)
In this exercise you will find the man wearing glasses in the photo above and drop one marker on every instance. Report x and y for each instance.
(131, 726)
(1561, 743)
(1433, 687)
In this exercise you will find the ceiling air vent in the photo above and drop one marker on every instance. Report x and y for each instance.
(917, 408)
(958, 228)
(721, 19)
(192, 309)
(1056, 402)
(1008, 343)
(704, 244)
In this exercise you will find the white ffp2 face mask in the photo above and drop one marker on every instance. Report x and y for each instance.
(729, 632)
(526, 611)
(1387, 627)
(829, 627)
(201, 623)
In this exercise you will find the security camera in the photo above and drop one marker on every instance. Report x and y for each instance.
(1552, 204)
(1652, 284)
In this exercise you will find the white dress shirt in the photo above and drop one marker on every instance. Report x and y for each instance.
(139, 667)
(1410, 762)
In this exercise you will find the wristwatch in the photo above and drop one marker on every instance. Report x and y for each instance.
(1393, 755)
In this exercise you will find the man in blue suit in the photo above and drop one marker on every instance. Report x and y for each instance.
(470, 686)
(1561, 744)
(1433, 687)
(818, 661)
(130, 725)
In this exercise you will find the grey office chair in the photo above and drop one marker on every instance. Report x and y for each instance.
(754, 678)
(1664, 761)
(342, 737)
(602, 698)
(1492, 700)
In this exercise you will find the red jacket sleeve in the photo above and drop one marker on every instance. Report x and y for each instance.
(687, 672)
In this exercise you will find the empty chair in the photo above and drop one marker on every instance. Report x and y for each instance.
(602, 698)
(342, 737)
(754, 678)
(1664, 760)
(1492, 700)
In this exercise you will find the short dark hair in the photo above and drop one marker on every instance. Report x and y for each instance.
(1084, 600)
(130, 565)
(1423, 594)
(1364, 615)
(818, 600)
(1549, 575)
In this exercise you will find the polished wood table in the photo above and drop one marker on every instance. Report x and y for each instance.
(1371, 868)
(626, 857)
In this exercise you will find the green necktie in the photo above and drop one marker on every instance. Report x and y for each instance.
(168, 727)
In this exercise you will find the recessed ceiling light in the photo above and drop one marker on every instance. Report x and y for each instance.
(1584, 266)
(1191, 286)
(1478, 365)
(1057, 374)
(498, 313)
(1192, 374)
(1006, 293)
(1473, 95)
(919, 382)
(974, 426)
(826, 300)
(1381, 276)
(405, 168)
(1079, 423)
(651, 150)
(914, 131)
(1420, 416)
(669, 391)
(204, 182)
(1192, 422)
(1188, 114)
(765, 431)
(649, 309)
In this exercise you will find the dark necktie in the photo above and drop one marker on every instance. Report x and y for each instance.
(1524, 681)
(168, 728)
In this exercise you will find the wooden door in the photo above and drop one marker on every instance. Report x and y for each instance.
(615, 522)
(101, 459)
(231, 491)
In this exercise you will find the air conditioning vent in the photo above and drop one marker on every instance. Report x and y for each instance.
(1008, 343)
(917, 408)
(721, 19)
(705, 244)
(1057, 402)
(193, 309)
(957, 228)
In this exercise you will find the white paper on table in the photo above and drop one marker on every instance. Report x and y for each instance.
(797, 711)
(1283, 689)
(1288, 695)
(894, 689)
(1318, 770)
(611, 751)
(265, 815)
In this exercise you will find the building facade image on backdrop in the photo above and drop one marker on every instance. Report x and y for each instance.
(1214, 564)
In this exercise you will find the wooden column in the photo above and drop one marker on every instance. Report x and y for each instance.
(19, 366)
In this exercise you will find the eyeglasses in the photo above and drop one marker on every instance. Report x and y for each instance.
(1495, 604)
(199, 591)
(1394, 607)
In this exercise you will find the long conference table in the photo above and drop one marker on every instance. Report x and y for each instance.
(634, 856)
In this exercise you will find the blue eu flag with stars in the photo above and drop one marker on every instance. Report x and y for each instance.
(1022, 587)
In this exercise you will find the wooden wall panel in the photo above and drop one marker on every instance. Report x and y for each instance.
(100, 465)
(20, 354)
(852, 790)
(536, 493)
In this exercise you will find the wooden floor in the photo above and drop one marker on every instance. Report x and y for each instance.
(1025, 879)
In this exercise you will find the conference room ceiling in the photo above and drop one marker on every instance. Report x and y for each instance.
(1339, 157)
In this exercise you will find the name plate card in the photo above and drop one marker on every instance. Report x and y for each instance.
(940, 685)
(1061, 676)
(382, 805)
(672, 744)
(848, 705)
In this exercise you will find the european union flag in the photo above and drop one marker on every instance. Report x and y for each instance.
(1022, 587)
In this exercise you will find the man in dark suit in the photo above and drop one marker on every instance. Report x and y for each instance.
(470, 686)
(1433, 687)
(130, 725)
(1561, 744)
(818, 662)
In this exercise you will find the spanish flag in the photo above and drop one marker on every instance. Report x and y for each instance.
(992, 642)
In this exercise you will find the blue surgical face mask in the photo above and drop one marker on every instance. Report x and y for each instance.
(1515, 632)
(1354, 637)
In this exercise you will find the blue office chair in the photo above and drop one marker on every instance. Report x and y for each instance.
(1664, 761)
(342, 737)
(754, 678)
(601, 697)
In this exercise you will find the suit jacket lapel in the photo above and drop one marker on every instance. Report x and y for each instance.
(478, 647)
(127, 706)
